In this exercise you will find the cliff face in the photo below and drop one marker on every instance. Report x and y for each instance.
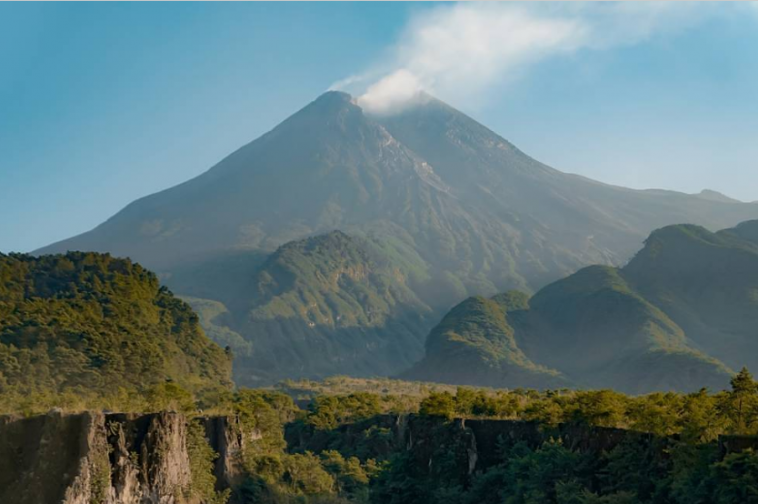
(464, 447)
(94, 458)
(109, 458)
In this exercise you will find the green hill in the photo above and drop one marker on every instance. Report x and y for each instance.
(321, 306)
(682, 314)
(94, 325)
(475, 344)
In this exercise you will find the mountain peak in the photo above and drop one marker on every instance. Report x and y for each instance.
(316, 124)
(328, 104)
(332, 98)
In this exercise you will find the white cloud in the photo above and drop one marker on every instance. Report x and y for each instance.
(391, 92)
(468, 49)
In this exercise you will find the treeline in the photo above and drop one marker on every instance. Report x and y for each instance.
(699, 416)
(347, 449)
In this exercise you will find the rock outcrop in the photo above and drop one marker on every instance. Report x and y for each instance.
(109, 458)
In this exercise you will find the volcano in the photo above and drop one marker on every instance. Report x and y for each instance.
(434, 207)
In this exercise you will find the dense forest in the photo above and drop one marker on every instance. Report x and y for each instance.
(82, 329)
(413, 449)
(350, 448)
(674, 448)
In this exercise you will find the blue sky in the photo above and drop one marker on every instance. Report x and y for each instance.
(103, 103)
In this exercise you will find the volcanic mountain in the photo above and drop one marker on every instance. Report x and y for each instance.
(456, 209)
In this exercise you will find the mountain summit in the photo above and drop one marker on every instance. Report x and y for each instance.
(472, 204)
(468, 210)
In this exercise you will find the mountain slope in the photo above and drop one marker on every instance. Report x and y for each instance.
(680, 315)
(91, 324)
(474, 207)
(596, 328)
(475, 344)
(556, 216)
(324, 305)
(474, 215)
(707, 283)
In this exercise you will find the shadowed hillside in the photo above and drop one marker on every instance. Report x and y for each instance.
(682, 314)
(320, 305)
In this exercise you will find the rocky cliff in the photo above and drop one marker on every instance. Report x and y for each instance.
(112, 458)
(97, 458)
(469, 446)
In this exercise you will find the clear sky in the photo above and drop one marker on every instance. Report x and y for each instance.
(103, 103)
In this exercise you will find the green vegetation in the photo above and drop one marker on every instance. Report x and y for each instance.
(475, 344)
(85, 330)
(362, 448)
(317, 307)
(276, 475)
(344, 385)
(681, 315)
(679, 461)
(201, 457)
(212, 315)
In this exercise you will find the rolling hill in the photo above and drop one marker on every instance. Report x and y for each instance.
(682, 314)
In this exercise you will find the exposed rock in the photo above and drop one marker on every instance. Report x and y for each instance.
(226, 438)
(93, 458)
(45, 459)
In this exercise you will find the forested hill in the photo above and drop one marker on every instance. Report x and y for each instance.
(325, 305)
(681, 315)
(87, 325)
